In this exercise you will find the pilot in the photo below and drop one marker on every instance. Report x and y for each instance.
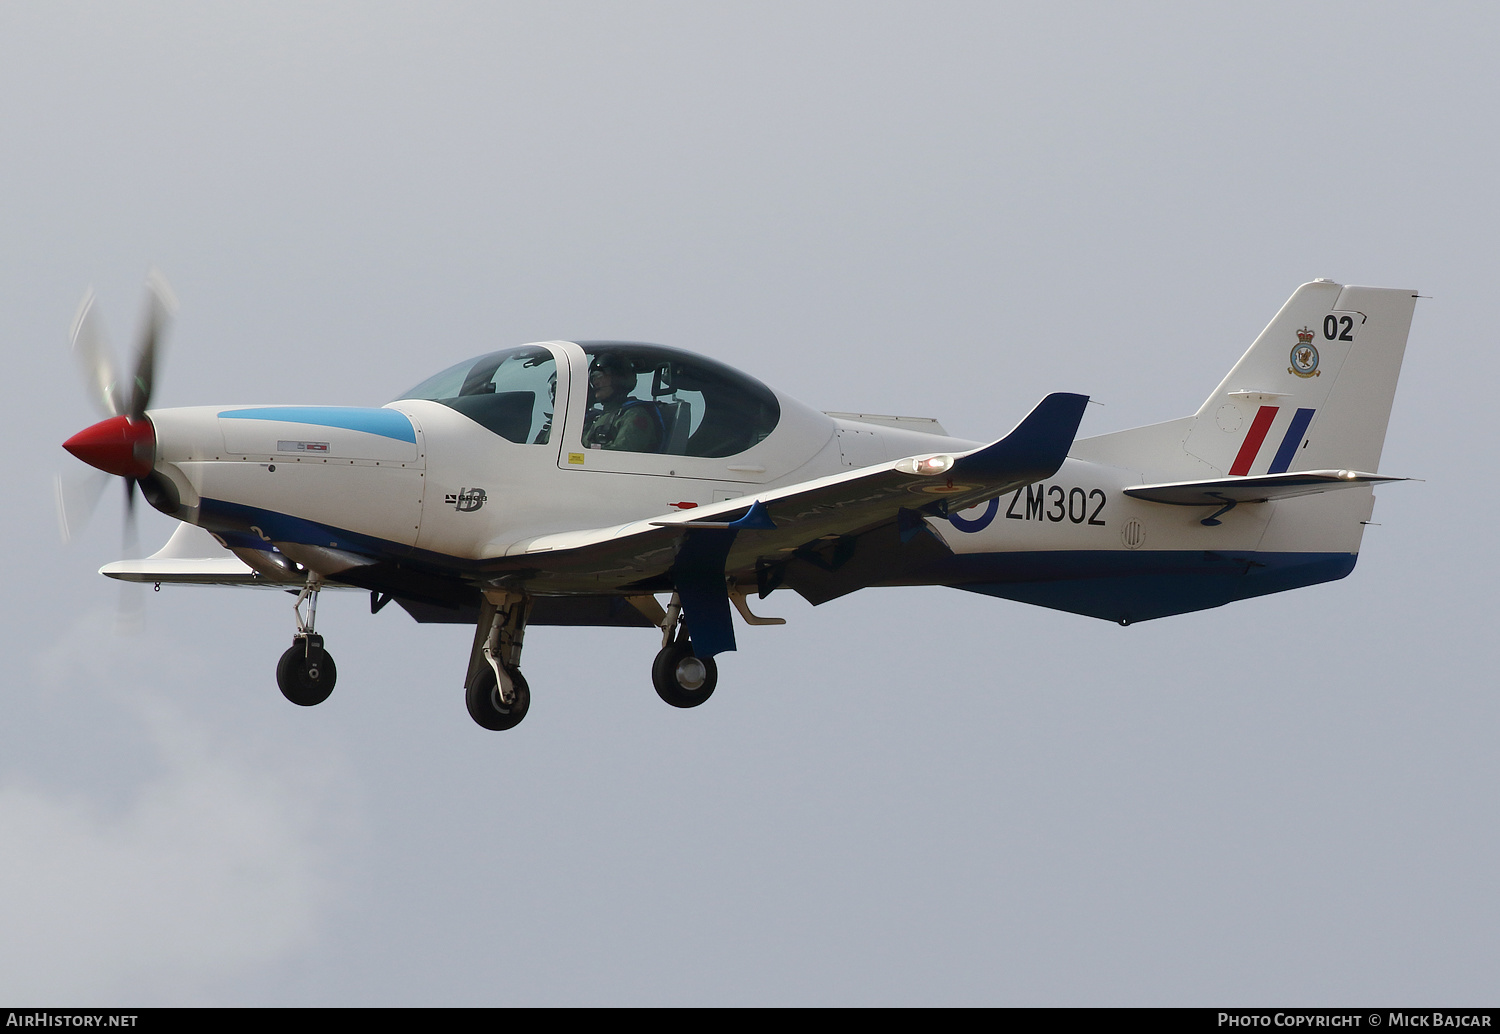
(619, 422)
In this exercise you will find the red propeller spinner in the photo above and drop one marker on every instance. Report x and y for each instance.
(118, 445)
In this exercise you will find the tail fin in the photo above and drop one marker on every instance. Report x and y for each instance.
(1315, 389)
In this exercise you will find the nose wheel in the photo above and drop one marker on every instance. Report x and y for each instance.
(306, 672)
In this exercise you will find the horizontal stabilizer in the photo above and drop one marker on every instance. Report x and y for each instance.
(1258, 489)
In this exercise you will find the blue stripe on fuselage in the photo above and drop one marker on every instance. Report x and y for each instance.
(266, 526)
(388, 423)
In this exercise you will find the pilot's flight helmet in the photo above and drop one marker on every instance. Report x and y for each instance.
(614, 364)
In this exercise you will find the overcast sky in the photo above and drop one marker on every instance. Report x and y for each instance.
(915, 796)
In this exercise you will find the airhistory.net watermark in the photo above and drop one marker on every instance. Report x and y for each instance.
(48, 1018)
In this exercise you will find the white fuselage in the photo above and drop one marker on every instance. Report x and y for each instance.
(422, 494)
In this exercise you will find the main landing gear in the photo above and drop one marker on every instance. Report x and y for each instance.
(681, 678)
(306, 672)
(496, 691)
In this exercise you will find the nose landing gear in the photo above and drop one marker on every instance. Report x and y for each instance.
(306, 672)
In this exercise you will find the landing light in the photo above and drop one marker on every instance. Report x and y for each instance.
(926, 466)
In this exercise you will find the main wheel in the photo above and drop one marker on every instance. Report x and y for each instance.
(681, 677)
(486, 707)
(306, 672)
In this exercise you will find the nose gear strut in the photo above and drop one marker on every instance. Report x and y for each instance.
(306, 672)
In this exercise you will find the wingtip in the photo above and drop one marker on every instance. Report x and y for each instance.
(1037, 446)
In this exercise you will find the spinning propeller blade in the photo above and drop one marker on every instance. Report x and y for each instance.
(130, 610)
(95, 359)
(77, 498)
(160, 304)
(124, 443)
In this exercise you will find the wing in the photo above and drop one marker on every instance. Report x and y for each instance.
(192, 556)
(778, 537)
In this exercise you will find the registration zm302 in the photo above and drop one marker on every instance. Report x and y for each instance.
(1061, 504)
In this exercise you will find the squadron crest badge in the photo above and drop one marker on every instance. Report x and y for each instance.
(1304, 355)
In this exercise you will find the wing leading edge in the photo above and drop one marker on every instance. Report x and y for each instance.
(755, 541)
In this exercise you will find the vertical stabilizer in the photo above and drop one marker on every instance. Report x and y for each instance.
(1314, 390)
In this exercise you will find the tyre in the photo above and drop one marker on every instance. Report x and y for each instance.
(306, 672)
(682, 678)
(486, 707)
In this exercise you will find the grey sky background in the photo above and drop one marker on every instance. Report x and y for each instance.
(903, 797)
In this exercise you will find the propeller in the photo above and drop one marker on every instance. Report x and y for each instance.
(124, 442)
(77, 497)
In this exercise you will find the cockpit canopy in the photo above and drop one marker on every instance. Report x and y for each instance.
(510, 392)
(640, 398)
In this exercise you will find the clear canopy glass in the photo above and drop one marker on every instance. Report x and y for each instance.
(640, 398)
(512, 392)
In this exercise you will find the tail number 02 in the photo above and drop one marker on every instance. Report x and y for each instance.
(1338, 328)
